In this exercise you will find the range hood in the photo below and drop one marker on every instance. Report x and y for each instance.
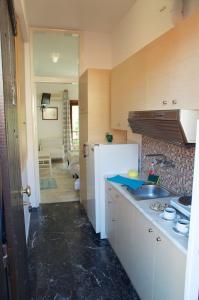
(174, 126)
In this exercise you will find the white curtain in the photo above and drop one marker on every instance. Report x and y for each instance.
(67, 134)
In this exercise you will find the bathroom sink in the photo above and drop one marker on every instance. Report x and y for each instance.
(149, 191)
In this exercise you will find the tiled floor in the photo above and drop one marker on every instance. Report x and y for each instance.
(65, 185)
(69, 261)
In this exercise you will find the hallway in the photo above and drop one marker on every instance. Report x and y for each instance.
(69, 261)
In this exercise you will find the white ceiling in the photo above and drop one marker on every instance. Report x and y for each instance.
(89, 15)
(47, 43)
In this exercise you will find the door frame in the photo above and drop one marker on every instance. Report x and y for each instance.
(31, 110)
(32, 143)
(192, 281)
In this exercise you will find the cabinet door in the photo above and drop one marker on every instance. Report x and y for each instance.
(184, 83)
(144, 257)
(126, 235)
(185, 65)
(83, 172)
(108, 207)
(83, 178)
(114, 222)
(170, 264)
(111, 216)
(127, 89)
(158, 74)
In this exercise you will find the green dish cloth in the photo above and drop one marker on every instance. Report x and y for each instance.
(132, 183)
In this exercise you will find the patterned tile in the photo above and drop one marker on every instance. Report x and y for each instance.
(178, 179)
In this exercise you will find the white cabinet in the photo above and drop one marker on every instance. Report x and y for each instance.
(169, 275)
(120, 228)
(144, 257)
(159, 265)
(162, 75)
(111, 217)
(153, 263)
(126, 235)
(127, 90)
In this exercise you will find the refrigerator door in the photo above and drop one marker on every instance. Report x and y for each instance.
(103, 161)
(112, 160)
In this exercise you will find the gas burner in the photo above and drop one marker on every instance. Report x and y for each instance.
(185, 200)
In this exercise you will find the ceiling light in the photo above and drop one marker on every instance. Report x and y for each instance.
(55, 57)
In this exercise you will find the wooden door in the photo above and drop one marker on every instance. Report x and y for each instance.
(21, 110)
(83, 134)
(10, 164)
(83, 153)
(4, 291)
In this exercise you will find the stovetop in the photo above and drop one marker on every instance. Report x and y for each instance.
(184, 209)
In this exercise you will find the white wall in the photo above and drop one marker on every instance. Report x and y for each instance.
(144, 23)
(32, 145)
(53, 128)
(50, 128)
(95, 51)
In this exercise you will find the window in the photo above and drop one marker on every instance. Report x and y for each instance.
(74, 115)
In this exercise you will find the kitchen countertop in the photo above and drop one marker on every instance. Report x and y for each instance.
(166, 227)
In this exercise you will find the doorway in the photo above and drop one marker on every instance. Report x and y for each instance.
(55, 75)
(58, 157)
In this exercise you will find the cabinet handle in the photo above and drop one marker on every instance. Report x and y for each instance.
(158, 239)
(113, 220)
(174, 101)
(150, 230)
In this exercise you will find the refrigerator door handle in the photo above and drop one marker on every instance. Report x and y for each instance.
(85, 150)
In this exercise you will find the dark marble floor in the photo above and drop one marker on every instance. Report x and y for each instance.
(69, 261)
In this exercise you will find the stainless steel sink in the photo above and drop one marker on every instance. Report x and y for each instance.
(149, 191)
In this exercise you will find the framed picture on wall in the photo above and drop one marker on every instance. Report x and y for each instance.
(50, 113)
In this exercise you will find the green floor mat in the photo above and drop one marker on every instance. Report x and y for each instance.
(48, 183)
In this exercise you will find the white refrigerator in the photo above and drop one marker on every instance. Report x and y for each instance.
(104, 160)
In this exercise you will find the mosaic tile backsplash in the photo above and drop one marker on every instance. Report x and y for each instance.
(178, 179)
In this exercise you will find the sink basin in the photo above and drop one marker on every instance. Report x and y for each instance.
(149, 191)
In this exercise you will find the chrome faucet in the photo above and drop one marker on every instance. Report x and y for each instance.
(162, 160)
